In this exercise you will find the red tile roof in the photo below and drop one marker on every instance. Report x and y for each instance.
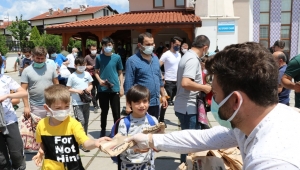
(75, 11)
(133, 18)
(5, 24)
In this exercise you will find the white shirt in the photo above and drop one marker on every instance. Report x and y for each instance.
(71, 59)
(171, 61)
(273, 144)
(7, 84)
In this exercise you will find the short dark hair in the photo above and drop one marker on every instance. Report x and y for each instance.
(79, 60)
(173, 39)
(201, 41)
(282, 56)
(51, 50)
(26, 50)
(137, 93)
(93, 45)
(27, 63)
(107, 40)
(280, 44)
(142, 37)
(247, 67)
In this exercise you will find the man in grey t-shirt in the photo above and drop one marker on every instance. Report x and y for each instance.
(36, 78)
(189, 83)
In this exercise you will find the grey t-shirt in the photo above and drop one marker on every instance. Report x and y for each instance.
(38, 80)
(136, 126)
(189, 66)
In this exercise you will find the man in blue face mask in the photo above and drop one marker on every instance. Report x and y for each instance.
(170, 60)
(108, 69)
(143, 69)
(245, 103)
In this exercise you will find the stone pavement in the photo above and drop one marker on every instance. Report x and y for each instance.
(98, 160)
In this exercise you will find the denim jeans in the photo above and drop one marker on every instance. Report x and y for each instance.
(187, 121)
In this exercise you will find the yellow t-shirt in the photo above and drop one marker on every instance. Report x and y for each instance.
(61, 144)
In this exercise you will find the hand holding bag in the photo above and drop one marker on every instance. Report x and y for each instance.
(86, 97)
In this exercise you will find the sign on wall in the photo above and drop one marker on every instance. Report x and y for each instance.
(226, 26)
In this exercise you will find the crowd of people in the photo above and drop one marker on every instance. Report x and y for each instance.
(248, 95)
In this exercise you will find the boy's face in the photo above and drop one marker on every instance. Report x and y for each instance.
(58, 105)
(140, 107)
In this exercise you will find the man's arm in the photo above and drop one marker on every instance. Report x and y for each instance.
(287, 83)
(15, 66)
(121, 79)
(129, 81)
(188, 84)
(25, 101)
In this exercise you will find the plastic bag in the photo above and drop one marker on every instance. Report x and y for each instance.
(64, 71)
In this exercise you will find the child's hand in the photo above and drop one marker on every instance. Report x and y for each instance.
(98, 141)
(38, 158)
(79, 91)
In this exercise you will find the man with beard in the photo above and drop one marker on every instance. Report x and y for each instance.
(143, 69)
(245, 103)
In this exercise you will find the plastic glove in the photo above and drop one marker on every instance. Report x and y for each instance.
(142, 141)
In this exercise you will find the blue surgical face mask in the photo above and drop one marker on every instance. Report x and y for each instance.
(215, 111)
(108, 49)
(176, 48)
(38, 65)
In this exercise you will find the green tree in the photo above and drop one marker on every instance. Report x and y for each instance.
(35, 36)
(19, 28)
(48, 40)
(3, 47)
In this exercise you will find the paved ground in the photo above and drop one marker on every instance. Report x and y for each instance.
(95, 159)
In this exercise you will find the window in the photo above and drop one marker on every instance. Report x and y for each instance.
(264, 19)
(180, 3)
(158, 3)
(285, 32)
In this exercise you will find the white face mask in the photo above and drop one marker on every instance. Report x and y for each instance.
(60, 115)
(148, 49)
(81, 68)
(75, 54)
(184, 50)
(94, 52)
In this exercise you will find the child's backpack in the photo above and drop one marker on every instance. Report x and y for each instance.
(114, 131)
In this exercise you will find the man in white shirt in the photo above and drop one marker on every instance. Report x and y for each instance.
(71, 58)
(170, 60)
(245, 103)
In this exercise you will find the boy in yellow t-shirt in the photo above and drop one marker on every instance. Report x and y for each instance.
(60, 135)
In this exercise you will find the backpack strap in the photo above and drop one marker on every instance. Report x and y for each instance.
(150, 120)
(127, 123)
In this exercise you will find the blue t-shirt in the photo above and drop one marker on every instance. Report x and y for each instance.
(3, 59)
(59, 60)
(26, 60)
(284, 95)
(81, 82)
(109, 67)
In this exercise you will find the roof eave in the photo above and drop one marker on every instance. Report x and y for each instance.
(128, 27)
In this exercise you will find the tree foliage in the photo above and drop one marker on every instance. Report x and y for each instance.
(48, 40)
(3, 47)
(19, 28)
(35, 36)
